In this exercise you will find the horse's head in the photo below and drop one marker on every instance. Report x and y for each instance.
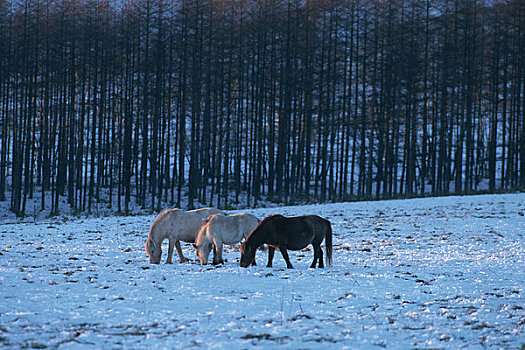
(203, 250)
(154, 251)
(247, 254)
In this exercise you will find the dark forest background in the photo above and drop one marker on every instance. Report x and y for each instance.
(155, 103)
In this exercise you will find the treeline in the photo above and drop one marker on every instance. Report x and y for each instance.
(168, 103)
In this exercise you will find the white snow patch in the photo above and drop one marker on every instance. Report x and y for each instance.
(421, 273)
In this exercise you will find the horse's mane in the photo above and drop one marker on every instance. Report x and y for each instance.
(201, 235)
(160, 216)
(262, 226)
(205, 221)
(267, 219)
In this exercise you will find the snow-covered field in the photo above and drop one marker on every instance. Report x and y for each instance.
(422, 273)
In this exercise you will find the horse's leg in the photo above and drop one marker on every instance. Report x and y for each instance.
(271, 251)
(318, 255)
(170, 250)
(217, 253)
(284, 253)
(214, 261)
(179, 250)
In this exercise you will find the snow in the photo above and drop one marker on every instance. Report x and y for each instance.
(419, 273)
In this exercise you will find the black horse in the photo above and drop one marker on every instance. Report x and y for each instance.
(292, 233)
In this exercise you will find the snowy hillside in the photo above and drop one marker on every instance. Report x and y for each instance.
(422, 273)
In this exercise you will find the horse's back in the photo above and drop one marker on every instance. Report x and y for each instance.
(317, 223)
(195, 218)
(250, 221)
(231, 229)
(183, 225)
(163, 219)
(204, 212)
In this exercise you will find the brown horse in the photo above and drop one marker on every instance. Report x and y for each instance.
(292, 233)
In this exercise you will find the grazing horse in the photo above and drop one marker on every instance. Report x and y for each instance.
(292, 233)
(176, 225)
(218, 230)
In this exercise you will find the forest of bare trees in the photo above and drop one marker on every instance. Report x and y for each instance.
(156, 103)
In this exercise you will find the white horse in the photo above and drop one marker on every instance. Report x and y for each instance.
(219, 230)
(176, 225)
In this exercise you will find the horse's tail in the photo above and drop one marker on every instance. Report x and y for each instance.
(328, 242)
